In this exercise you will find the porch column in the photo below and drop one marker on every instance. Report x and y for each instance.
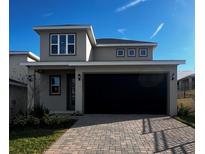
(173, 93)
(30, 88)
(79, 91)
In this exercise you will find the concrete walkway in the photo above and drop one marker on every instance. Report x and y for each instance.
(126, 134)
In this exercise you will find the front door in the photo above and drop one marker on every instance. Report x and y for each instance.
(70, 92)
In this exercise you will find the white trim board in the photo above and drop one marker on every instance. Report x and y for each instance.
(88, 28)
(103, 63)
(28, 53)
(126, 44)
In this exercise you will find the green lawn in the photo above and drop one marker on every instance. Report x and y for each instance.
(30, 141)
(190, 119)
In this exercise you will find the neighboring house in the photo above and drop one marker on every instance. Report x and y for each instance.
(18, 80)
(186, 80)
(81, 73)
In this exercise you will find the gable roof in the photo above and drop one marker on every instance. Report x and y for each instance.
(118, 41)
(27, 53)
(184, 74)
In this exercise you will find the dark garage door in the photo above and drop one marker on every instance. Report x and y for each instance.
(125, 93)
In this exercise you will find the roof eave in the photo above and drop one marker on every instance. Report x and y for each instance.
(28, 53)
(116, 63)
(191, 75)
(37, 28)
(33, 56)
(127, 44)
(92, 36)
(88, 28)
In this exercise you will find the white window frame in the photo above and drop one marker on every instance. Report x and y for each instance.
(120, 50)
(58, 44)
(54, 44)
(128, 52)
(143, 55)
(67, 44)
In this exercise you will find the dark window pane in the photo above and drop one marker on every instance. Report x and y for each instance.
(54, 39)
(143, 52)
(120, 52)
(62, 43)
(71, 49)
(55, 89)
(131, 52)
(63, 48)
(71, 38)
(55, 85)
(55, 81)
(52, 81)
(54, 49)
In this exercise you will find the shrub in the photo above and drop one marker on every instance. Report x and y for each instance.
(39, 117)
(33, 121)
(45, 120)
(20, 112)
(19, 121)
(39, 111)
(183, 111)
(56, 121)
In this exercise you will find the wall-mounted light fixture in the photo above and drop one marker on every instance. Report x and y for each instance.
(79, 77)
(173, 76)
(29, 78)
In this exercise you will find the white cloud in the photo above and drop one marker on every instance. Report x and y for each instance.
(121, 30)
(131, 4)
(157, 30)
(48, 14)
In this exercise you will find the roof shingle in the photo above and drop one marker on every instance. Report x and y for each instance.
(118, 41)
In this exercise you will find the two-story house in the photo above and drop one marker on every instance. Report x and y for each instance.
(81, 73)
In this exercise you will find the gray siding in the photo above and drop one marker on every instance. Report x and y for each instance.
(80, 46)
(85, 51)
(109, 54)
(17, 100)
(53, 102)
(16, 71)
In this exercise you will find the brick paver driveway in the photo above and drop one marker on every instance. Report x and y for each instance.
(95, 134)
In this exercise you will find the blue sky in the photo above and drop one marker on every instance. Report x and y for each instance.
(168, 22)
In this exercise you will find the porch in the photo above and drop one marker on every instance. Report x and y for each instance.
(52, 87)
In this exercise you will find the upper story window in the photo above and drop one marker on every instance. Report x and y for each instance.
(143, 52)
(131, 52)
(120, 52)
(62, 44)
